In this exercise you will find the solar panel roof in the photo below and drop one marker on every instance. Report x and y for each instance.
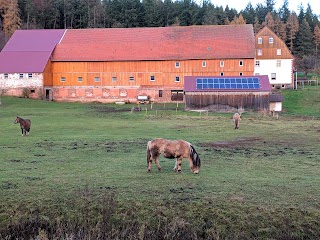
(228, 83)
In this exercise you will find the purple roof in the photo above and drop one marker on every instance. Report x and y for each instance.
(190, 84)
(29, 50)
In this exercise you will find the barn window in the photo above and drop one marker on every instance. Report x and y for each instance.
(177, 79)
(271, 40)
(62, 79)
(6, 75)
(177, 95)
(21, 75)
(257, 64)
(29, 75)
(79, 79)
(204, 64)
(240, 63)
(160, 93)
(221, 74)
(114, 79)
(259, 52)
(240, 74)
(152, 78)
(177, 64)
(32, 91)
(273, 76)
(221, 63)
(278, 63)
(279, 52)
(131, 79)
(259, 40)
(96, 79)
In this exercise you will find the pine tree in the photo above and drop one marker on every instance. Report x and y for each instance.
(256, 26)
(303, 45)
(316, 37)
(249, 13)
(238, 20)
(284, 11)
(269, 22)
(11, 16)
(280, 28)
(292, 29)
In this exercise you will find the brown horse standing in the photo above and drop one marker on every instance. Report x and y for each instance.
(178, 149)
(25, 125)
(236, 120)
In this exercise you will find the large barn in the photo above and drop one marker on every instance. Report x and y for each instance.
(120, 64)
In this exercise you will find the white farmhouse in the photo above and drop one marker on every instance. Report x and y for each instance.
(273, 58)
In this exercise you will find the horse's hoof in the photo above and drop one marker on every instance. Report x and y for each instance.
(196, 172)
(149, 170)
(179, 171)
(159, 169)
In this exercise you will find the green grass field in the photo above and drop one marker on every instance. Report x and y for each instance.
(82, 173)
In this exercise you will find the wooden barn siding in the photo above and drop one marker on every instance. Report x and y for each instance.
(47, 74)
(227, 101)
(269, 50)
(165, 72)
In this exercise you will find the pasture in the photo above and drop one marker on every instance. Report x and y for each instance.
(82, 173)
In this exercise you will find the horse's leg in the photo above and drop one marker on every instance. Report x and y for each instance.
(156, 160)
(175, 166)
(179, 163)
(22, 132)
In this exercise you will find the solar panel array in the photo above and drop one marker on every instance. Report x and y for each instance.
(248, 83)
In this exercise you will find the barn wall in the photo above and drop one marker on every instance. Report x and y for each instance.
(227, 101)
(115, 81)
(22, 87)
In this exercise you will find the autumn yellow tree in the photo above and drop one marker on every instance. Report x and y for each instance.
(268, 21)
(316, 36)
(10, 14)
(292, 29)
(238, 20)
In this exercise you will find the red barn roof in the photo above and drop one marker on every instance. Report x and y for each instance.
(161, 43)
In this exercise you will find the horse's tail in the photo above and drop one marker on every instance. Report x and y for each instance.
(148, 153)
(195, 157)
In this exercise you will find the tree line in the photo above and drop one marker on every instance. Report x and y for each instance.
(300, 31)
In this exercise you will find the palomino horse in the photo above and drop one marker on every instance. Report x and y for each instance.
(236, 120)
(25, 125)
(178, 149)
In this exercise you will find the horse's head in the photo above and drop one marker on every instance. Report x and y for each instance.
(17, 120)
(195, 160)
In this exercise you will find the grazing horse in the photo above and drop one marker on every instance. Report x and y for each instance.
(236, 120)
(25, 125)
(178, 149)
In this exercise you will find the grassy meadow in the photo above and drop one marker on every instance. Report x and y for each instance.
(82, 173)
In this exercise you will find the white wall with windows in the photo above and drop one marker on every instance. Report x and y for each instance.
(278, 70)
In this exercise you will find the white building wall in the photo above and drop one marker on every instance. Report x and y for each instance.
(283, 73)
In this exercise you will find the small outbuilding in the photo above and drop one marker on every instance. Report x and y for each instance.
(224, 94)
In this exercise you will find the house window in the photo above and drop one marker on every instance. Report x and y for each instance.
(160, 93)
(259, 40)
(96, 79)
(221, 63)
(29, 75)
(204, 64)
(152, 78)
(240, 74)
(21, 75)
(278, 63)
(221, 74)
(177, 64)
(279, 52)
(131, 79)
(63, 79)
(271, 40)
(177, 79)
(114, 79)
(259, 52)
(257, 64)
(273, 76)
(79, 79)
(240, 63)
(6, 75)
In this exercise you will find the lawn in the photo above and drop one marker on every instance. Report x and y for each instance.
(82, 173)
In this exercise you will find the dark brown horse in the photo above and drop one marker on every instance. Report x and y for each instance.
(178, 149)
(25, 125)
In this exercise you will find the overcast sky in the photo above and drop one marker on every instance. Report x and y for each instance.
(293, 4)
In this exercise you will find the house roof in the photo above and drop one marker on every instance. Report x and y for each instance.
(160, 43)
(28, 50)
(190, 84)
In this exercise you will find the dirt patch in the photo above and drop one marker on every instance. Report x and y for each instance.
(241, 142)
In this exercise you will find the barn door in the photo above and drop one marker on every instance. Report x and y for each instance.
(176, 95)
